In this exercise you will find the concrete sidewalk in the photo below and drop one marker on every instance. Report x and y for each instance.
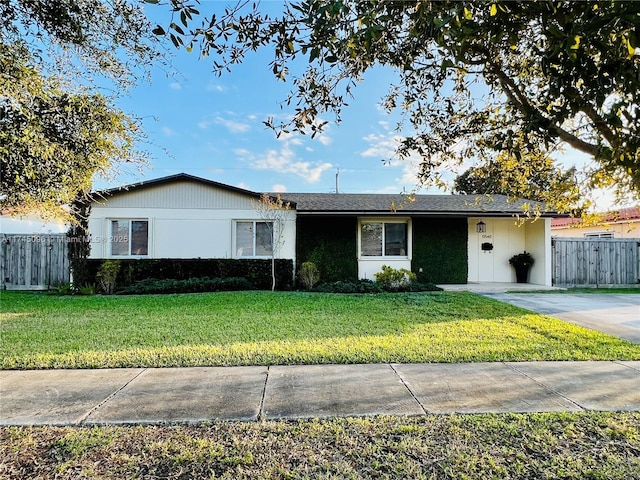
(191, 395)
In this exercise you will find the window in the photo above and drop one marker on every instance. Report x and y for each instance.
(254, 239)
(129, 237)
(598, 235)
(383, 239)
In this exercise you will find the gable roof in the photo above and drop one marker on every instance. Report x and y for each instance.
(463, 205)
(363, 203)
(179, 177)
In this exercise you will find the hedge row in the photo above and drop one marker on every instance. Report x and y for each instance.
(256, 271)
(190, 285)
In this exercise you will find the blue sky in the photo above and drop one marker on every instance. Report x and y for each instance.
(211, 126)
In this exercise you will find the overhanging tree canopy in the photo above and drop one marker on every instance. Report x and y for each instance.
(56, 132)
(474, 76)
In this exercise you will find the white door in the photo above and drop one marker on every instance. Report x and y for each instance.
(485, 249)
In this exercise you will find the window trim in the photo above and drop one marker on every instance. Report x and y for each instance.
(403, 220)
(130, 220)
(254, 238)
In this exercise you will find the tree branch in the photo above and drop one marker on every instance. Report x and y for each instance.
(523, 104)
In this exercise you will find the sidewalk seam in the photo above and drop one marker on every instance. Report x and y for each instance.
(99, 405)
(545, 386)
(631, 367)
(406, 385)
(264, 394)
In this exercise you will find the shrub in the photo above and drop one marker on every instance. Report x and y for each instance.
(73, 289)
(107, 275)
(523, 259)
(309, 275)
(358, 286)
(394, 280)
(191, 285)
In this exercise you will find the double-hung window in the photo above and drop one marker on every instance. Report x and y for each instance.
(383, 239)
(129, 237)
(254, 239)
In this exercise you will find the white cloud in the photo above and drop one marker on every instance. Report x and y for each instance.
(231, 125)
(381, 145)
(175, 86)
(324, 140)
(168, 132)
(216, 87)
(279, 188)
(243, 185)
(284, 160)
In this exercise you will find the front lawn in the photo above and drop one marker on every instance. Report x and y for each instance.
(265, 328)
(549, 446)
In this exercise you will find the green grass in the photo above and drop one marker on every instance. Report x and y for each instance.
(266, 328)
(549, 446)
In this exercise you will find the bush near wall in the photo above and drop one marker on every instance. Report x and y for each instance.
(440, 249)
(330, 243)
(256, 271)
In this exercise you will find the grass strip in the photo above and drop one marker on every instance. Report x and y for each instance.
(515, 446)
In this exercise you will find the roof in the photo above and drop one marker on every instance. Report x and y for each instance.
(365, 203)
(622, 215)
(180, 177)
(463, 205)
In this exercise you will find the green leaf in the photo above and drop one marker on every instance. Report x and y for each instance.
(158, 30)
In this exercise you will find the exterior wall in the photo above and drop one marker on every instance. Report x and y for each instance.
(30, 224)
(367, 269)
(508, 239)
(622, 229)
(183, 223)
(440, 249)
(538, 243)
(331, 243)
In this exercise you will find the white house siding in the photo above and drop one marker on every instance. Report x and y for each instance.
(30, 225)
(181, 195)
(508, 239)
(186, 220)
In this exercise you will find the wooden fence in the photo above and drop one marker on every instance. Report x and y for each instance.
(595, 262)
(33, 262)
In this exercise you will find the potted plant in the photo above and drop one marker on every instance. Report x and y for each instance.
(522, 262)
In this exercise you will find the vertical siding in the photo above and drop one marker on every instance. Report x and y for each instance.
(181, 195)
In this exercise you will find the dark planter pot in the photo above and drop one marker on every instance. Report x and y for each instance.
(522, 273)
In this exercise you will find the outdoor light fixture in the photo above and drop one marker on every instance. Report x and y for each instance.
(481, 227)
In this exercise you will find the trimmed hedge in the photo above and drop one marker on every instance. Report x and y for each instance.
(440, 249)
(190, 285)
(330, 243)
(368, 286)
(256, 271)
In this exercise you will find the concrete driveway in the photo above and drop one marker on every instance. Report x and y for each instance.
(615, 314)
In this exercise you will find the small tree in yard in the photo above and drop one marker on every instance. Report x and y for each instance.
(274, 211)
